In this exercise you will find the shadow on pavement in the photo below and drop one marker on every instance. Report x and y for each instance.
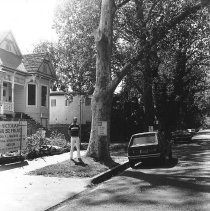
(173, 180)
(110, 163)
(183, 185)
(156, 164)
(13, 165)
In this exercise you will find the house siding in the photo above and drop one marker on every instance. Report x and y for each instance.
(19, 98)
(61, 114)
(20, 70)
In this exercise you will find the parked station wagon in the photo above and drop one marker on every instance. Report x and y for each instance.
(148, 145)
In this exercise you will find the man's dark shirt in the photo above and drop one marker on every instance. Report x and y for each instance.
(74, 130)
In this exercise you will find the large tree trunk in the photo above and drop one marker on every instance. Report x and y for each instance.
(101, 111)
(102, 97)
(148, 95)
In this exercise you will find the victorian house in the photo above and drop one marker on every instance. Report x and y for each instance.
(24, 82)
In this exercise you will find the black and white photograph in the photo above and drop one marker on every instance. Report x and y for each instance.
(104, 105)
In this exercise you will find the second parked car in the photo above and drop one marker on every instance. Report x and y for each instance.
(202, 135)
(182, 135)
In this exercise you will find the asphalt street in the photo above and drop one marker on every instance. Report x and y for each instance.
(183, 184)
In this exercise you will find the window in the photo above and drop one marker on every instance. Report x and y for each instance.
(53, 102)
(7, 92)
(44, 96)
(145, 139)
(87, 101)
(31, 94)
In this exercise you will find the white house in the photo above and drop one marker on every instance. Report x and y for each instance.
(24, 81)
(62, 110)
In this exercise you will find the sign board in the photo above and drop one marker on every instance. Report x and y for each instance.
(12, 134)
(102, 128)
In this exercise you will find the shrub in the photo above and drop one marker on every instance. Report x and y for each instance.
(36, 140)
(57, 139)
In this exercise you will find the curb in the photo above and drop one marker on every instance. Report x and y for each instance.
(109, 173)
(94, 181)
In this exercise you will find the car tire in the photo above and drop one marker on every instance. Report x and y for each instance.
(132, 164)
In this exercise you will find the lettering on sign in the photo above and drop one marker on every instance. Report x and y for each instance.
(102, 128)
(12, 134)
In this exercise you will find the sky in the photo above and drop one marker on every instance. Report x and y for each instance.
(29, 20)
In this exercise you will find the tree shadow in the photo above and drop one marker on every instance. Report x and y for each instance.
(157, 164)
(13, 165)
(80, 162)
(110, 163)
(176, 185)
(184, 182)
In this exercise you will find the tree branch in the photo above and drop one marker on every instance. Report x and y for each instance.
(151, 9)
(136, 85)
(122, 3)
(114, 83)
(160, 31)
(139, 10)
(133, 61)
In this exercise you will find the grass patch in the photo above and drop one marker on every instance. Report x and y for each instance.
(87, 168)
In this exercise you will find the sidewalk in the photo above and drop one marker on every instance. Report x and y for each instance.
(36, 193)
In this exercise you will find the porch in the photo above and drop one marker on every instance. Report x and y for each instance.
(6, 98)
(10, 92)
(6, 107)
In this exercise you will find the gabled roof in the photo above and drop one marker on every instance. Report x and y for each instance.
(10, 60)
(8, 35)
(3, 34)
(32, 62)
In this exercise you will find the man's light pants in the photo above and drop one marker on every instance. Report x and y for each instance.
(73, 141)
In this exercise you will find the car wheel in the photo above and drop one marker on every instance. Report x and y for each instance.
(132, 164)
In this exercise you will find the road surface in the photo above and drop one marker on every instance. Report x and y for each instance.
(183, 184)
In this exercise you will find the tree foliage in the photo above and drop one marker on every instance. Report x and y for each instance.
(150, 25)
(75, 21)
(129, 38)
(181, 82)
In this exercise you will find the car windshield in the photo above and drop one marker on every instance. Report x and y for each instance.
(145, 139)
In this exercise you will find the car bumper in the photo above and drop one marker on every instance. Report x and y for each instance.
(141, 157)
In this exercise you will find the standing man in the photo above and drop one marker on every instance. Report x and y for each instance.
(74, 133)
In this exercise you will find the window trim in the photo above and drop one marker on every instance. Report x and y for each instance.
(35, 97)
(47, 95)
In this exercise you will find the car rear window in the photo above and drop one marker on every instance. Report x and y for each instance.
(144, 140)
